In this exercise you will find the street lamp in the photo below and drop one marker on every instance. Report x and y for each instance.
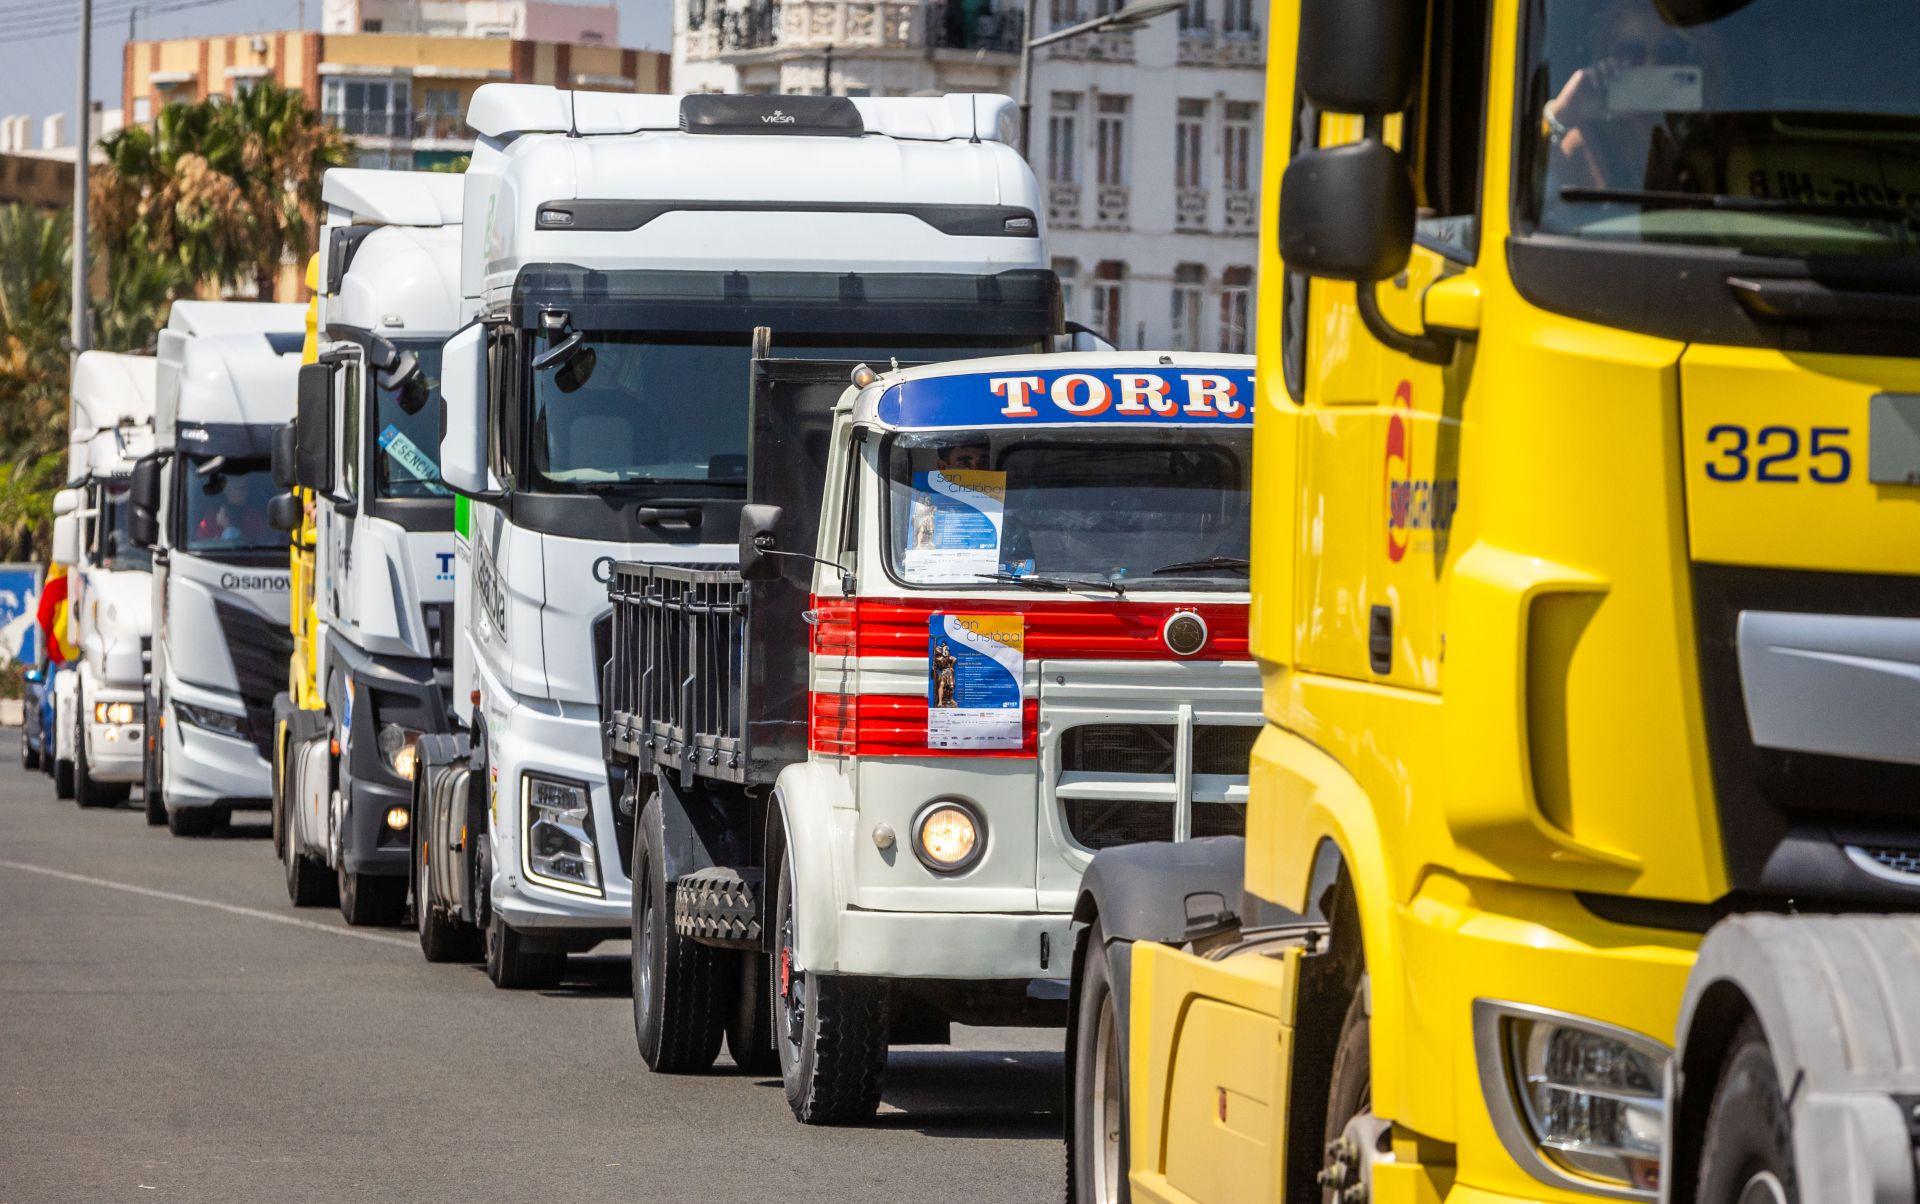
(1124, 19)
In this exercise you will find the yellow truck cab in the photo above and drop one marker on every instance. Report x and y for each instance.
(1587, 524)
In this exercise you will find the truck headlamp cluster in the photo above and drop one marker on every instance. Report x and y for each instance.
(115, 712)
(1576, 1102)
(557, 848)
(208, 719)
(948, 836)
(400, 749)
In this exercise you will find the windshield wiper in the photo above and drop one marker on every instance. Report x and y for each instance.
(1042, 581)
(1737, 204)
(1229, 563)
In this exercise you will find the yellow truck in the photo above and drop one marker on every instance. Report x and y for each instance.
(1582, 851)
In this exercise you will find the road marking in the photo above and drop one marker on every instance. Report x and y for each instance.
(232, 908)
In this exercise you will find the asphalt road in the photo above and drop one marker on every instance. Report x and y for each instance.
(171, 1029)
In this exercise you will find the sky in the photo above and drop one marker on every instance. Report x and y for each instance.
(39, 45)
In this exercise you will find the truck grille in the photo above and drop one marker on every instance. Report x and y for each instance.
(1104, 823)
(260, 649)
(1119, 782)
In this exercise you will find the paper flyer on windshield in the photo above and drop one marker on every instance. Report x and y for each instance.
(407, 454)
(957, 519)
(975, 664)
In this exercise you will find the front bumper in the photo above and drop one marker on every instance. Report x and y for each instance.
(204, 768)
(965, 945)
(523, 740)
(115, 751)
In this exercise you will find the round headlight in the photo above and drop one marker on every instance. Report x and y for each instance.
(948, 836)
(1185, 633)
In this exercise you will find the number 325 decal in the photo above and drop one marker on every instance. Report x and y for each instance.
(1780, 454)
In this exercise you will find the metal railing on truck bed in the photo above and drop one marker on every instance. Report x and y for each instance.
(676, 688)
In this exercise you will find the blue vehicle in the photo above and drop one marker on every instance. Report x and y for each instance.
(36, 733)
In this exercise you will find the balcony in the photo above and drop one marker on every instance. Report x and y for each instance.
(1112, 206)
(441, 127)
(1190, 209)
(1242, 214)
(1095, 48)
(1209, 46)
(950, 27)
(370, 123)
(1063, 204)
(763, 30)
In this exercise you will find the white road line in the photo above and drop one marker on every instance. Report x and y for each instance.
(234, 909)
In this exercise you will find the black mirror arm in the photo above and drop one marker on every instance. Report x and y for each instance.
(1429, 348)
(846, 574)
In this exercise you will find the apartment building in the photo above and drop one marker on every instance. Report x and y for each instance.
(528, 20)
(401, 97)
(1148, 141)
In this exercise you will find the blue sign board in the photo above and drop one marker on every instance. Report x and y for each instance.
(1158, 395)
(19, 602)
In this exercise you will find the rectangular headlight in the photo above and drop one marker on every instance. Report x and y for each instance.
(557, 846)
(1577, 1102)
(115, 712)
(208, 719)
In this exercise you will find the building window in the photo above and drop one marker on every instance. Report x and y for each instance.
(1189, 136)
(1236, 18)
(1236, 146)
(1110, 139)
(1109, 299)
(243, 84)
(376, 107)
(372, 25)
(1194, 15)
(1063, 13)
(1189, 298)
(1236, 309)
(142, 110)
(1068, 270)
(1063, 138)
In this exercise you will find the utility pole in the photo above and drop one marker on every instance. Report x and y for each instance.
(826, 75)
(82, 146)
(1026, 80)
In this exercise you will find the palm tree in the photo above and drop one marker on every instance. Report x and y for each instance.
(34, 290)
(283, 148)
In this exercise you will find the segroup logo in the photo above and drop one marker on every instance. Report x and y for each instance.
(1415, 505)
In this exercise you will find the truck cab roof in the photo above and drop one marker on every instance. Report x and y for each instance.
(227, 375)
(390, 257)
(112, 421)
(743, 183)
(1072, 389)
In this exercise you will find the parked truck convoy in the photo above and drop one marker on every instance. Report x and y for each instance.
(227, 375)
(1581, 853)
(622, 251)
(372, 608)
(100, 719)
(989, 617)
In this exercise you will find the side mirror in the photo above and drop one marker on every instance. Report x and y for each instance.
(66, 539)
(313, 430)
(284, 512)
(143, 502)
(1085, 338)
(36, 675)
(283, 455)
(66, 501)
(463, 394)
(1346, 212)
(759, 546)
(1361, 56)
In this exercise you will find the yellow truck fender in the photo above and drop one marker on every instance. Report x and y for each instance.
(811, 826)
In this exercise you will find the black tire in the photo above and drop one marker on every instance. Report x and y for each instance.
(1097, 1148)
(750, 1022)
(151, 793)
(515, 964)
(29, 751)
(282, 751)
(443, 938)
(1350, 1088)
(86, 791)
(679, 986)
(1746, 1154)
(372, 900)
(63, 779)
(308, 882)
(192, 821)
(830, 1031)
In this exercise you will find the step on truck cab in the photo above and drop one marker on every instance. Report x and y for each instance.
(376, 590)
(109, 594)
(621, 253)
(227, 377)
(989, 617)
(1587, 604)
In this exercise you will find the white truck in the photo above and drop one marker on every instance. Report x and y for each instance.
(989, 618)
(101, 716)
(365, 448)
(621, 252)
(227, 376)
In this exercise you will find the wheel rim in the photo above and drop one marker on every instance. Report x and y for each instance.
(420, 888)
(1763, 1187)
(644, 954)
(1109, 1109)
(790, 986)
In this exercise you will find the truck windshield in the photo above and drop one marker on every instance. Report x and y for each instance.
(1780, 127)
(225, 507)
(630, 407)
(406, 430)
(1141, 510)
(113, 543)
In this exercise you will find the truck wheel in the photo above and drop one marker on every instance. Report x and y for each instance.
(1349, 1094)
(1746, 1156)
(150, 793)
(308, 882)
(63, 779)
(191, 821)
(1097, 1147)
(370, 901)
(86, 791)
(750, 1024)
(29, 752)
(830, 1031)
(679, 985)
(443, 938)
(514, 965)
